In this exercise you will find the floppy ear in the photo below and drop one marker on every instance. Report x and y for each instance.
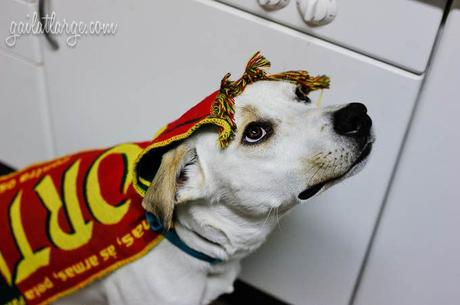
(177, 180)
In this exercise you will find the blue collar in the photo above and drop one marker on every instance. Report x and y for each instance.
(171, 235)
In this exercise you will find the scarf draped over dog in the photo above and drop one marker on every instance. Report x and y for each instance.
(67, 222)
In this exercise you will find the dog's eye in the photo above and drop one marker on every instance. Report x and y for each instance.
(302, 94)
(256, 132)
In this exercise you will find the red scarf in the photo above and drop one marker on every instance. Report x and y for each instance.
(67, 222)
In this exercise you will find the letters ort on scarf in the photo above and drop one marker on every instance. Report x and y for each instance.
(67, 222)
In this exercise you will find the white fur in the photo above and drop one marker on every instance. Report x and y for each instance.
(231, 199)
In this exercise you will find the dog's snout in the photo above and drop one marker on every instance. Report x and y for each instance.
(352, 121)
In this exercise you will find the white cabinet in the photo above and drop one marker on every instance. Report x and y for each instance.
(25, 135)
(400, 32)
(415, 258)
(13, 16)
(166, 57)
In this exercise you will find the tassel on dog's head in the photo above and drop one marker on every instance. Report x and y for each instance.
(223, 106)
(159, 166)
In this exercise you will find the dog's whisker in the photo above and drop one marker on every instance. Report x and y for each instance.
(311, 178)
(320, 172)
(312, 167)
(268, 216)
(318, 154)
(330, 167)
(277, 213)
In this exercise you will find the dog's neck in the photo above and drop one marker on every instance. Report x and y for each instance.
(219, 231)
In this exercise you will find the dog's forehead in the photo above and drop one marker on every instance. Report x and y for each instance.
(267, 97)
(266, 94)
(268, 90)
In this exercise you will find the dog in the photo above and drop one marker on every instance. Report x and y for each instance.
(67, 223)
(222, 202)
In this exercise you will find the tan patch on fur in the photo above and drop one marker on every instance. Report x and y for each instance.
(248, 114)
(160, 196)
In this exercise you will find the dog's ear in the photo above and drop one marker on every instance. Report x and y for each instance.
(177, 180)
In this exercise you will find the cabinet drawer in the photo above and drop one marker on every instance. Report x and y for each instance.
(399, 32)
(123, 88)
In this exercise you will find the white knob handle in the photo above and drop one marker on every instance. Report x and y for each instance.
(317, 12)
(271, 5)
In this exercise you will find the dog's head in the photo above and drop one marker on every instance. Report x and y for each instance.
(285, 150)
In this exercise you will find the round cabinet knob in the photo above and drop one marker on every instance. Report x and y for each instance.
(272, 5)
(317, 12)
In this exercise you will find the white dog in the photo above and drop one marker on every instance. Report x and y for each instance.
(222, 202)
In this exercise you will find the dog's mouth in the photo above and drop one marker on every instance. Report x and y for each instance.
(313, 190)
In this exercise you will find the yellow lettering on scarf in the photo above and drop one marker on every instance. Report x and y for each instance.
(105, 212)
(5, 270)
(48, 194)
(31, 260)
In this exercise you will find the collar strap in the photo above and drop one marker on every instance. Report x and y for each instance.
(157, 226)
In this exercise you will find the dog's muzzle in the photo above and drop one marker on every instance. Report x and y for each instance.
(350, 121)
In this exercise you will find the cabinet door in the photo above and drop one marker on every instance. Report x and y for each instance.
(166, 57)
(415, 258)
(24, 127)
(400, 32)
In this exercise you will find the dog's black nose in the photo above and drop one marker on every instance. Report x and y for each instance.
(352, 121)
